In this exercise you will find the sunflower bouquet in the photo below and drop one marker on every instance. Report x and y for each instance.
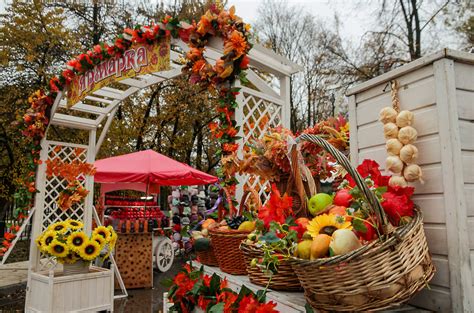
(68, 243)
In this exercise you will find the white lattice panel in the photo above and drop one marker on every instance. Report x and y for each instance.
(54, 185)
(259, 115)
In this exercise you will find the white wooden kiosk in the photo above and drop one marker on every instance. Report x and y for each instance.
(439, 89)
(94, 116)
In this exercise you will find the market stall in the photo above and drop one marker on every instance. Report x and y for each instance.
(140, 222)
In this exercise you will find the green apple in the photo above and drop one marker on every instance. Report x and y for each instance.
(319, 202)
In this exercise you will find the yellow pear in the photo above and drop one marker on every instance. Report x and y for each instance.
(303, 249)
(247, 226)
(320, 246)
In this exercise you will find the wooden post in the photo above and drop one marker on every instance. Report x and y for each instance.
(89, 184)
(455, 207)
(285, 94)
(354, 145)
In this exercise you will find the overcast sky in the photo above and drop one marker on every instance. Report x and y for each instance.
(353, 25)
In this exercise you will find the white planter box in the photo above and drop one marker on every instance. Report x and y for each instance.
(53, 292)
(439, 89)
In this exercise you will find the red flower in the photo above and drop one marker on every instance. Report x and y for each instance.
(230, 147)
(54, 84)
(232, 132)
(213, 126)
(224, 283)
(184, 34)
(277, 209)
(75, 64)
(244, 64)
(203, 302)
(9, 236)
(267, 308)
(248, 304)
(206, 280)
(370, 168)
(397, 203)
(68, 75)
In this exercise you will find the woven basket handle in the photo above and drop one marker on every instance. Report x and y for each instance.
(246, 196)
(298, 172)
(344, 162)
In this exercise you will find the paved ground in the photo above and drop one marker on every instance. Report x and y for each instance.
(148, 300)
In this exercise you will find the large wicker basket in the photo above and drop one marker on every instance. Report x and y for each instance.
(285, 279)
(226, 243)
(380, 275)
(226, 248)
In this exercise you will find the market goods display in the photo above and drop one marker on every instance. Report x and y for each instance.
(191, 290)
(400, 135)
(137, 220)
(67, 243)
(380, 231)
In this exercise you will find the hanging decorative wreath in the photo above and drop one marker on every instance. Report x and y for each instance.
(217, 22)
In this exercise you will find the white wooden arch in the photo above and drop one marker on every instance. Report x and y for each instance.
(101, 106)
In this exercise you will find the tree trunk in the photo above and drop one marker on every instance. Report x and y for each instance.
(200, 138)
(293, 117)
(173, 135)
(95, 24)
(417, 30)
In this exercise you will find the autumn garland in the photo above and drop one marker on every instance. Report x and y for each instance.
(216, 22)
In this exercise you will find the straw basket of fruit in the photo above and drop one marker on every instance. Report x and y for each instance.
(227, 235)
(349, 276)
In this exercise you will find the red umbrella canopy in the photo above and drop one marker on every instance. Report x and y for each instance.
(149, 167)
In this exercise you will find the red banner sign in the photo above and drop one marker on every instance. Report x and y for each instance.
(138, 60)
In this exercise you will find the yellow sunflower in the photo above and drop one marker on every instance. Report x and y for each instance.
(71, 258)
(59, 227)
(38, 242)
(326, 224)
(58, 249)
(77, 240)
(74, 225)
(47, 239)
(102, 231)
(113, 240)
(99, 239)
(89, 251)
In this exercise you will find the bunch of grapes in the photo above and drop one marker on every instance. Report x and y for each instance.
(235, 221)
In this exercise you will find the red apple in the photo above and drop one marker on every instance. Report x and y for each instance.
(343, 198)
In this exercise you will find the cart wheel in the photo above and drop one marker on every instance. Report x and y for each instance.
(164, 255)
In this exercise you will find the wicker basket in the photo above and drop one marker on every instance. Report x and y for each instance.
(285, 279)
(385, 273)
(207, 257)
(226, 243)
(226, 248)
